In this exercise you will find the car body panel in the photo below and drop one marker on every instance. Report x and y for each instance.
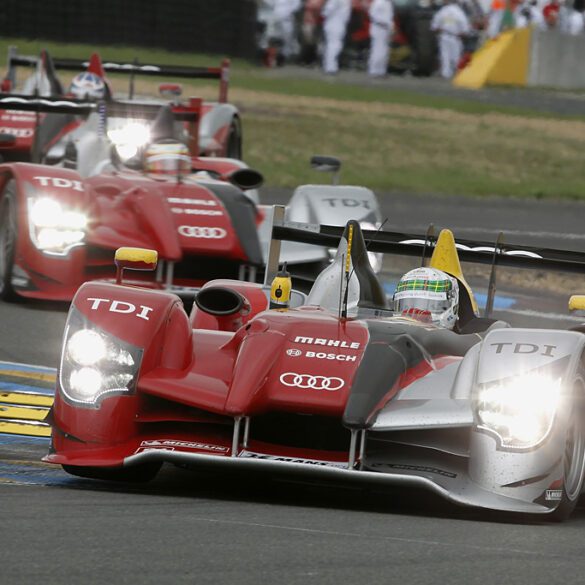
(371, 397)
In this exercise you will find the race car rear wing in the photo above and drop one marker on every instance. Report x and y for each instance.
(495, 254)
(121, 109)
(220, 73)
(190, 113)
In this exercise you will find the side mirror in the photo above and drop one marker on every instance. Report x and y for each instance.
(170, 91)
(327, 164)
(577, 303)
(134, 259)
(70, 158)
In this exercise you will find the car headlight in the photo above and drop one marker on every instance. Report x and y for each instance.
(95, 364)
(129, 138)
(53, 228)
(520, 411)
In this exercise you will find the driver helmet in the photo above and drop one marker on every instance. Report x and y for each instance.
(430, 295)
(88, 86)
(167, 157)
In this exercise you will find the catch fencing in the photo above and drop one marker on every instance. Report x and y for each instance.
(226, 27)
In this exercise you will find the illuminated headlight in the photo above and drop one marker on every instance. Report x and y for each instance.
(87, 347)
(129, 138)
(521, 410)
(55, 229)
(95, 364)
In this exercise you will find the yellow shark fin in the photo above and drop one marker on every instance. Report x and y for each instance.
(445, 258)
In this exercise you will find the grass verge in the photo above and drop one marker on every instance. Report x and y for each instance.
(388, 139)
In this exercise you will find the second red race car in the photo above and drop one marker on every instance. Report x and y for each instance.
(27, 135)
(59, 228)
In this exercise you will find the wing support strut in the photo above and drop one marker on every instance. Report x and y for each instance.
(489, 305)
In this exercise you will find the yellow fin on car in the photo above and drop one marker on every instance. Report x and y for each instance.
(446, 258)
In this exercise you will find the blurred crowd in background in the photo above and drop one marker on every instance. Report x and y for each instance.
(422, 37)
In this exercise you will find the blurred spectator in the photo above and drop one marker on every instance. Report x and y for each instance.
(495, 16)
(284, 17)
(451, 24)
(336, 15)
(528, 14)
(564, 16)
(310, 31)
(277, 35)
(575, 23)
(357, 38)
(381, 24)
(551, 13)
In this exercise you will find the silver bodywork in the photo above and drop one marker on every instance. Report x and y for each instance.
(414, 433)
(93, 150)
(220, 116)
(429, 434)
(322, 204)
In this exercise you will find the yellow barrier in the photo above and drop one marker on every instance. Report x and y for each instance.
(500, 61)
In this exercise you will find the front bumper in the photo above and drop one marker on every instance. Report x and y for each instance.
(457, 488)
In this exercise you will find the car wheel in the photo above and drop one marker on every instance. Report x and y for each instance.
(135, 474)
(8, 236)
(573, 456)
(234, 140)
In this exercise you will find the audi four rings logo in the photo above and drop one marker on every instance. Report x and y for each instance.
(294, 352)
(206, 233)
(308, 381)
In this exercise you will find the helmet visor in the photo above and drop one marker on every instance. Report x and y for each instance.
(411, 300)
(426, 295)
(168, 164)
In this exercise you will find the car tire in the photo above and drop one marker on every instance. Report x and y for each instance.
(234, 140)
(134, 474)
(8, 238)
(573, 456)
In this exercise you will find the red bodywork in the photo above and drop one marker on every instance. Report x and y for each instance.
(18, 128)
(199, 374)
(17, 131)
(186, 222)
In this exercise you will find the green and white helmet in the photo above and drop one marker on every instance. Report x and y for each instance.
(430, 295)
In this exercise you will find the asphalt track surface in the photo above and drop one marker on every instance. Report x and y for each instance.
(188, 527)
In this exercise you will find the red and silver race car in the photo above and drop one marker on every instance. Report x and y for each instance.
(60, 224)
(338, 389)
(30, 135)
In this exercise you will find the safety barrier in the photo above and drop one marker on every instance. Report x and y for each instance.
(526, 57)
(556, 60)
